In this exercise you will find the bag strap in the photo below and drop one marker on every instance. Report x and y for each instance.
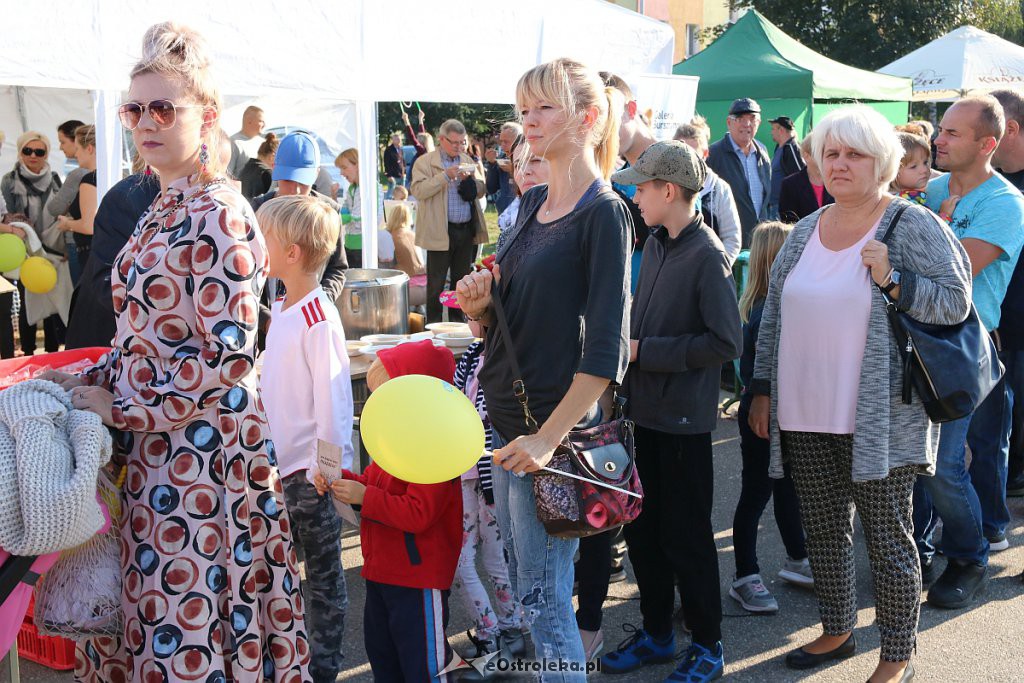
(904, 205)
(14, 571)
(518, 385)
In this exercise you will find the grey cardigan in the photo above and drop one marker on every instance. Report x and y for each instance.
(935, 288)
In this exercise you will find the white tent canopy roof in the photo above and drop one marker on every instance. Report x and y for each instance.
(349, 54)
(963, 62)
(378, 50)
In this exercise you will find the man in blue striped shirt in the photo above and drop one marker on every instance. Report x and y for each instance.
(743, 162)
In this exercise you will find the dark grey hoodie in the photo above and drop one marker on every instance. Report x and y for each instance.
(687, 321)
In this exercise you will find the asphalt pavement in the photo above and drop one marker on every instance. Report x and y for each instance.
(981, 643)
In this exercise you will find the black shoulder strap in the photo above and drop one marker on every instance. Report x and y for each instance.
(518, 386)
(904, 205)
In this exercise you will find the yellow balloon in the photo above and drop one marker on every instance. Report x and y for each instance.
(421, 429)
(38, 275)
(12, 252)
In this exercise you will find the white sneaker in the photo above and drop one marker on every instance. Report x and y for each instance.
(797, 572)
(998, 544)
(751, 593)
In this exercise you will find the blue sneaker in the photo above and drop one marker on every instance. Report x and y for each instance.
(699, 665)
(638, 650)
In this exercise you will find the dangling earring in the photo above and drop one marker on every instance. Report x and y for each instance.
(204, 158)
(149, 171)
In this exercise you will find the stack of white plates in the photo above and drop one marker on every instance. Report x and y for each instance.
(457, 340)
(441, 328)
(372, 350)
(390, 339)
(354, 346)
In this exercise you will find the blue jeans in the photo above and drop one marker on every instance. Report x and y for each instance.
(971, 502)
(1014, 362)
(540, 571)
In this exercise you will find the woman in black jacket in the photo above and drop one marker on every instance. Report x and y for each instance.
(804, 192)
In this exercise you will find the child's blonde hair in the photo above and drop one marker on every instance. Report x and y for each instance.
(399, 216)
(399, 194)
(306, 221)
(765, 243)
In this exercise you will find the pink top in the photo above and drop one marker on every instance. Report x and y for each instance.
(819, 193)
(826, 303)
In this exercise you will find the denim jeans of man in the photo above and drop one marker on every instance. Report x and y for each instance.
(971, 502)
(1014, 362)
(541, 573)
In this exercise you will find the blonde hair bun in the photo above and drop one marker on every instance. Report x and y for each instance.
(176, 43)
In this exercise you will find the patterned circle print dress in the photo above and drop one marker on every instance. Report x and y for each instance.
(211, 591)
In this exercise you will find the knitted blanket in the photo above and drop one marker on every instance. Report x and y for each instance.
(50, 455)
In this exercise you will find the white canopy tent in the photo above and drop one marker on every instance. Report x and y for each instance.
(966, 61)
(321, 64)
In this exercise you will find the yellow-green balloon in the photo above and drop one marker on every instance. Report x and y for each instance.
(38, 275)
(421, 429)
(12, 252)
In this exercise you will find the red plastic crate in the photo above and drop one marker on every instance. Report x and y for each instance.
(50, 651)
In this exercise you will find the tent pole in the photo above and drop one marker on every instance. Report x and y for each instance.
(19, 97)
(108, 139)
(366, 127)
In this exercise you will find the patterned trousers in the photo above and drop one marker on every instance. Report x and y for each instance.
(316, 529)
(822, 466)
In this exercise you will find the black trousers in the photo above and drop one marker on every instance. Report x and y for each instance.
(757, 488)
(458, 259)
(53, 328)
(673, 535)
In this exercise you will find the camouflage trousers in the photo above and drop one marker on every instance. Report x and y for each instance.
(316, 532)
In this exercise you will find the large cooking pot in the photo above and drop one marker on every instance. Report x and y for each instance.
(374, 301)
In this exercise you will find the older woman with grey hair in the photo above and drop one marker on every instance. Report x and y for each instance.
(827, 381)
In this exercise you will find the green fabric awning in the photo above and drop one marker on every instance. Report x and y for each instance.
(754, 58)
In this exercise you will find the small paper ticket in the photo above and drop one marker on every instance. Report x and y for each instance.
(328, 458)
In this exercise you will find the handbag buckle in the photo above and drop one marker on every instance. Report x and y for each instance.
(609, 466)
(519, 388)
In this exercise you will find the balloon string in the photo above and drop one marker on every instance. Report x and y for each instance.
(595, 482)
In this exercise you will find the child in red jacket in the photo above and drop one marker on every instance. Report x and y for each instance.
(411, 537)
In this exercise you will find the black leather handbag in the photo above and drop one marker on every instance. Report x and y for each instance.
(951, 367)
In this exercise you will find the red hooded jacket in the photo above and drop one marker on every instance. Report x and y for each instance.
(411, 534)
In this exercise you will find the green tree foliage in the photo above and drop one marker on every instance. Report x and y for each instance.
(480, 119)
(871, 33)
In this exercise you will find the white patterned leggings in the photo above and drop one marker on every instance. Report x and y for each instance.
(480, 527)
(822, 466)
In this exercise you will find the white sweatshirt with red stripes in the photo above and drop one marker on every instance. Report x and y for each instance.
(306, 388)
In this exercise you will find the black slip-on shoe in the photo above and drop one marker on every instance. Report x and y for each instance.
(802, 659)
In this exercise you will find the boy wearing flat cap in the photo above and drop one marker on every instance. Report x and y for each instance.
(684, 324)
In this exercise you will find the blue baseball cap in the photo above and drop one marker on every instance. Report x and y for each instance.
(297, 159)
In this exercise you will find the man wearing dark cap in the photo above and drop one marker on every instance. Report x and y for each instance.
(786, 161)
(743, 162)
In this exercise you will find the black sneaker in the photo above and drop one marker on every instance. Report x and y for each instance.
(929, 572)
(958, 586)
(1015, 486)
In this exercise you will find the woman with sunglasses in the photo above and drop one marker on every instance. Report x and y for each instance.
(26, 189)
(211, 591)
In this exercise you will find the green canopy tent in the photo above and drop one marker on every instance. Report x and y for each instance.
(754, 58)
